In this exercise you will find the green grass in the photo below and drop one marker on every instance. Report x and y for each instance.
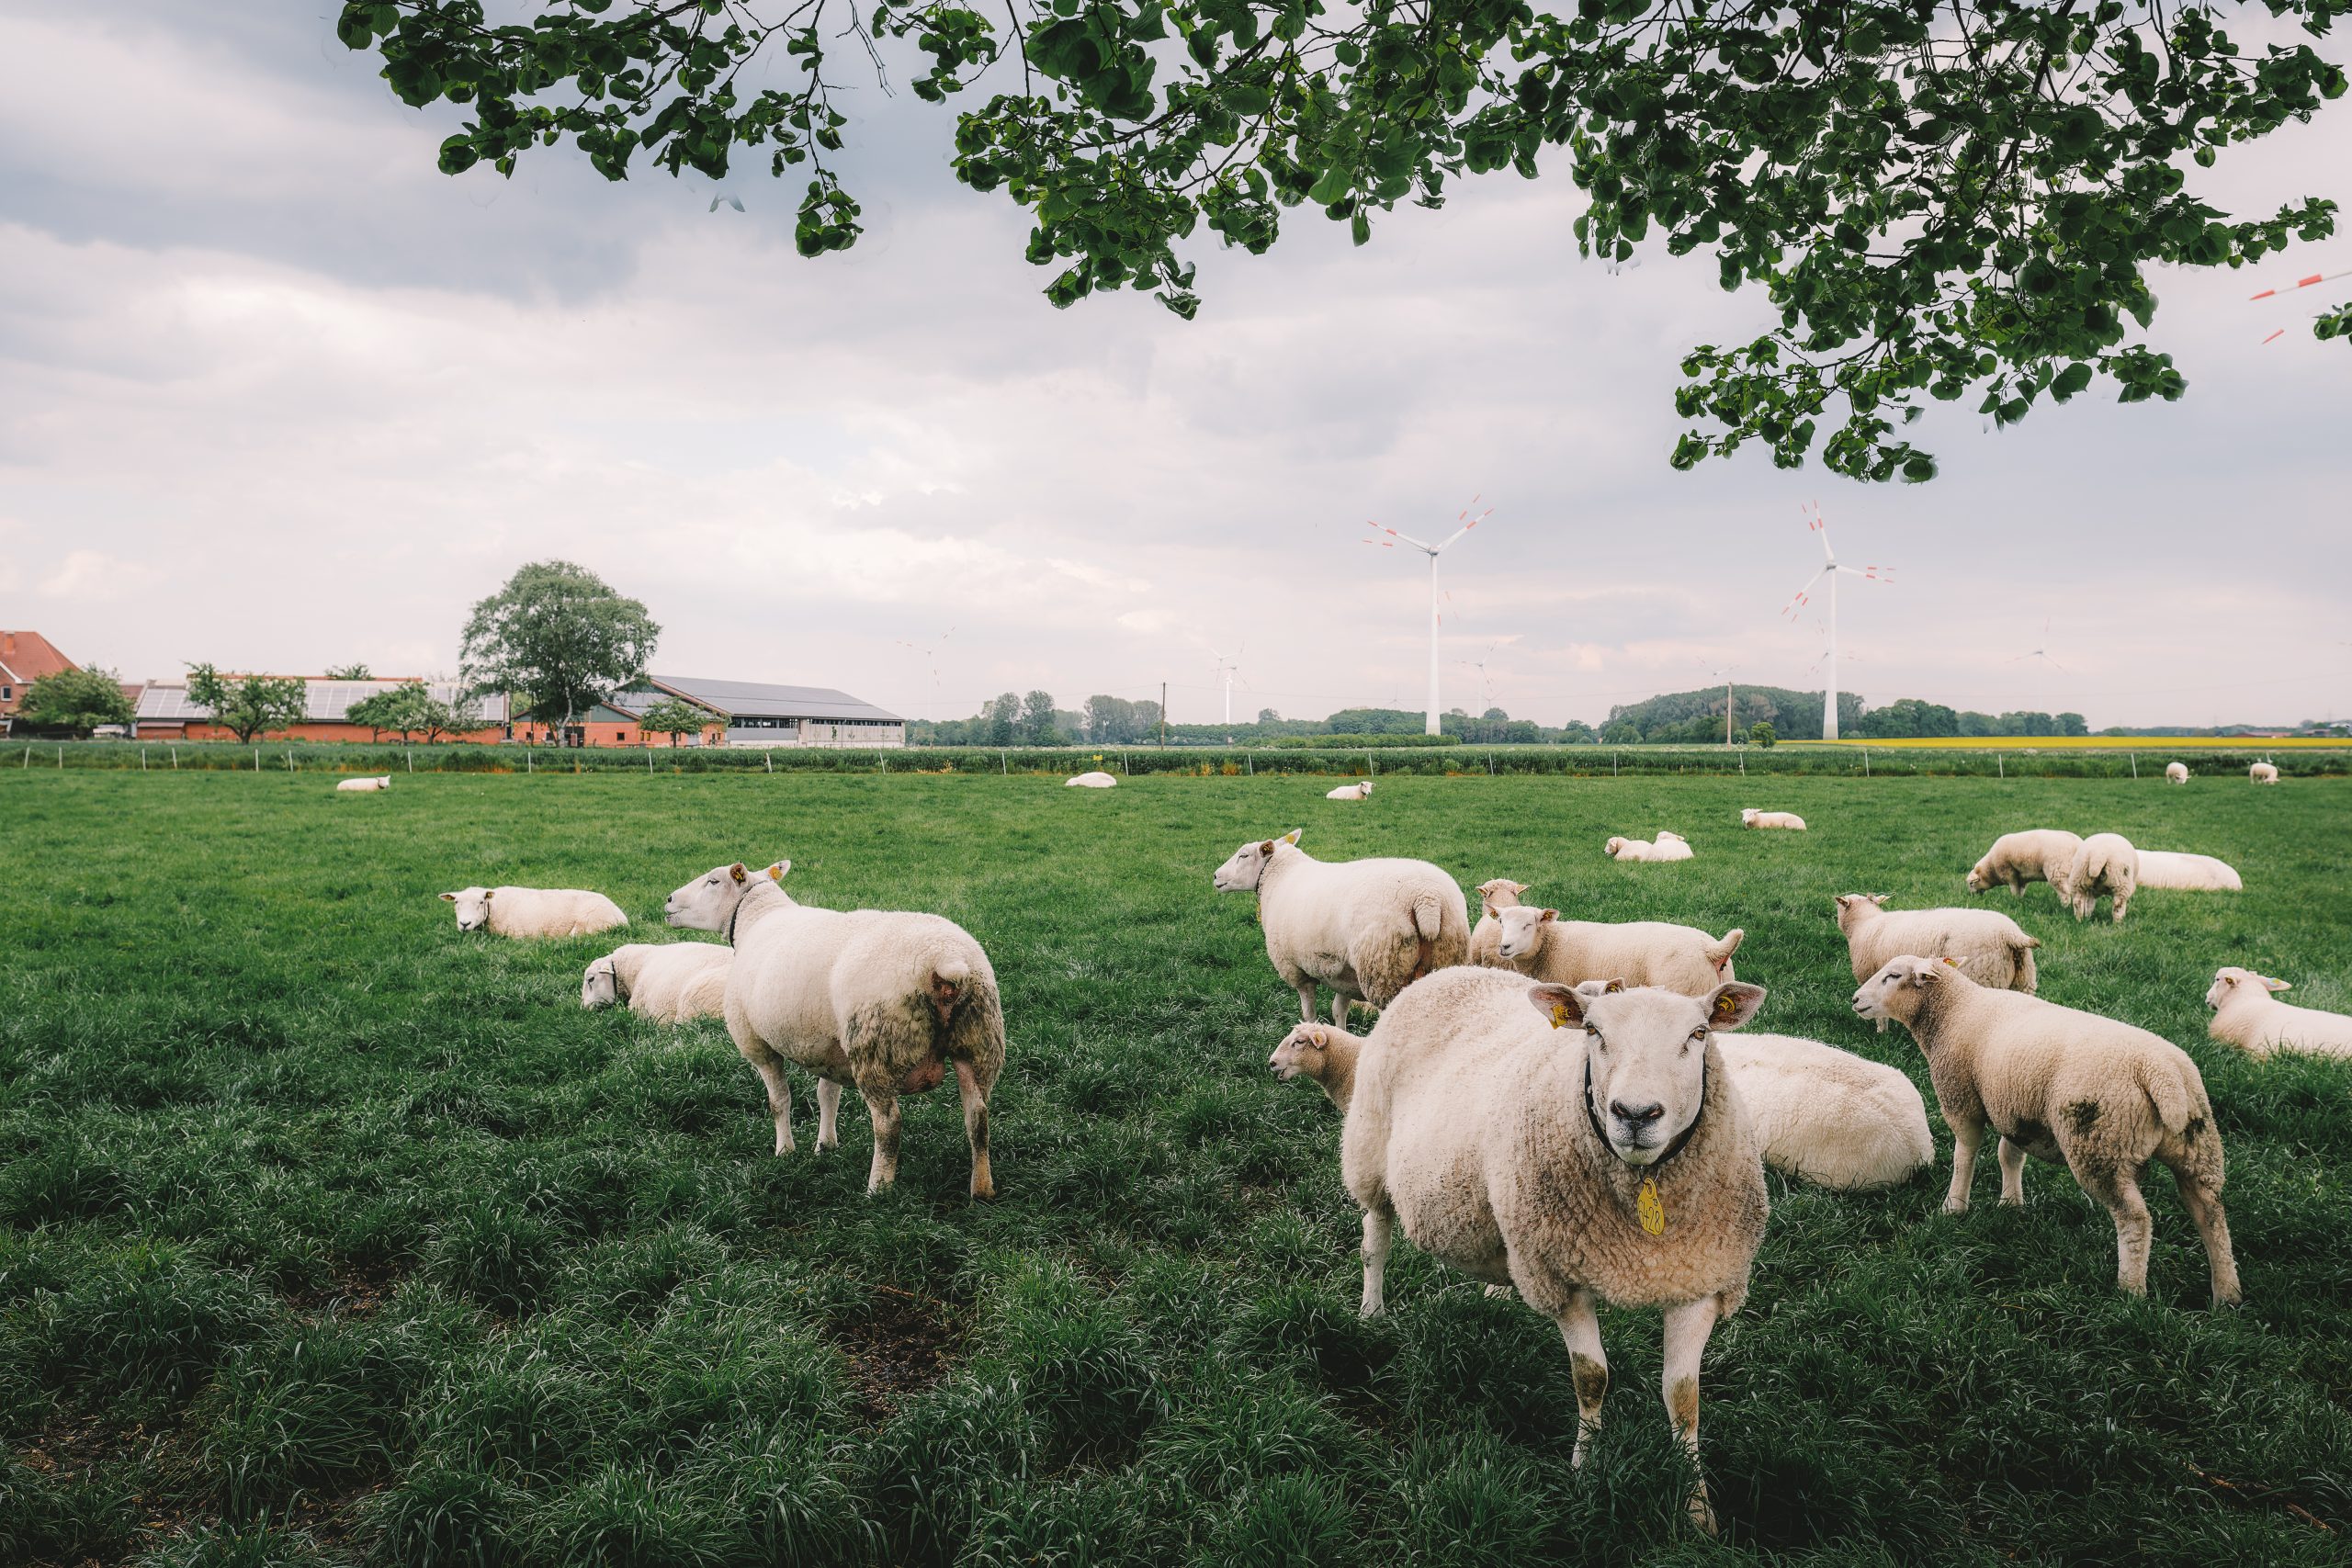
(334, 1235)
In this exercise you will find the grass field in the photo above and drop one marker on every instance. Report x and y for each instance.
(333, 1234)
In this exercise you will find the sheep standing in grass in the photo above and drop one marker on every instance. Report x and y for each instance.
(1091, 781)
(2263, 772)
(1541, 945)
(2246, 1015)
(882, 1000)
(1361, 790)
(2106, 866)
(1990, 947)
(1582, 1148)
(534, 911)
(2099, 1095)
(2176, 772)
(1751, 818)
(1667, 846)
(2038, 854)
(365, 786)
(1367, 929)
(668, 982)
(1326, 1055)
(2187, 872)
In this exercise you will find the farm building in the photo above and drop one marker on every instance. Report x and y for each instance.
(24, 657)
(165, 712)
(758, 714)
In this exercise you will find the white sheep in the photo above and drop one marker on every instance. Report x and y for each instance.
(2246, 1015)
(1541, 945)
(1751, 818)
(1360, 790)
(365, 786)
(2106, 866)
(1610, 1162)
(1367, 929)
(2194, 874)
(669, 982)
(535, 911)
(1828, 1116)
(882, 1000)
(1667, 846)
(2099, 1096)
(1324, 1054)
(1495, 895)
(2176, 772)
(2263, 773)
(1990, 947)
(2037, 855)
(1091, 781)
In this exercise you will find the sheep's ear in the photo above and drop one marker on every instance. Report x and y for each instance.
(487, 893)
(1292, 837)
(736, 871)
(778, 872)
(1928, 974)
(1547, 914)
(448, 897)
(1316, 1033)
(1564, 1005)
(2275, 985)
(1881, 897)
(1733, 1004)
(1519, 887)
(1267, 847)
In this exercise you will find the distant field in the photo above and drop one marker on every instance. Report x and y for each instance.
(330, 1235)
(2118, 742)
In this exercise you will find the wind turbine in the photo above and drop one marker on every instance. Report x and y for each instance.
(1830, 570)
(928, 652)
(1485, 700)
(1227, 668)
(1432, 551)
(2042, 656)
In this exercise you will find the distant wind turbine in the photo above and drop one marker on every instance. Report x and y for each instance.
(1830, 570)
(929, 653)
(1486, 700)
(1226, 668)
(1432, 551)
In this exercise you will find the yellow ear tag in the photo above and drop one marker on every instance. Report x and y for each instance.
(1559, 1015)
(1726, 1007)
(1651, 1212)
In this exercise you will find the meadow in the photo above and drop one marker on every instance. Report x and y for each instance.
(330, 1235)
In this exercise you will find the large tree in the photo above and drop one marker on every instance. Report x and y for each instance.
(1941, 198)
(74, 700)
(247, 705)
(559, 640)
(674, 717)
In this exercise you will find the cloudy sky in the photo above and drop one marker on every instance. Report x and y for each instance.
(276, 394)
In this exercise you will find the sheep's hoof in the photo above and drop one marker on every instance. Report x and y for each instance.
(1955, 1205)
(1703, 1513)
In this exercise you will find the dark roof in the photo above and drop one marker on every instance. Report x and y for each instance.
(755, 699)
(329, 701)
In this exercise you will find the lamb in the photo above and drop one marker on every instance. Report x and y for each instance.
(365, 786)
(1540, 944)
(535, 911)
(1495, 895)
(1668, 846)
(1367, 929)
(2246, 1015)
(1326, 1055)
(2195, 873)
(1751, 818)
(2176, 772)
(2263, 773)
(2107, 865)
(1360, 790)
(882, 1000)
(669, 982)
(1091, 781)
(1609, 1163)
(2038, 854)
(2101, 1096)
(1991, 947)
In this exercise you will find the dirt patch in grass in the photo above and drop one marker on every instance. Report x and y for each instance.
(899, 1347)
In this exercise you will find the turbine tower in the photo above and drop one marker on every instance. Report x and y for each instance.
(1432, 551)
(1227, 667)
(1830, 570)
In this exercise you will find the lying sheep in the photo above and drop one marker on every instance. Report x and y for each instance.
(2176, 772)
(535, 911)
(2246, 1015)
(2038, 854)
(2099, 1096)
(1361, 790)
(882, 1000)
(1091, 781)
(1668, 846)
(2193, 873)
(1827, 1116)
(2263, 772)
(1367, 929)
(1494, 897)
(2106, 866)
(1990, 947)
(1326, 1055)
(1609, 1163)
(1751, 818)
(668, 982)
(1541, 945)
(365, 786)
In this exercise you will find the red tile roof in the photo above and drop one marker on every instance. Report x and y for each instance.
(26, 657)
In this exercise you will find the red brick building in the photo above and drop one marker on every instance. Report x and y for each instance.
(24, 657)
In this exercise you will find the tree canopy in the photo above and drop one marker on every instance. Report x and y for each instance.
(1941, 199)
(673, 716)
(247, 705)
(558, 638)
(76, 700)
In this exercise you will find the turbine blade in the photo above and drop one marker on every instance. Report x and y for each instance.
(1804, 594)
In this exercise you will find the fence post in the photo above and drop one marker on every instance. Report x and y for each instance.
(28, 758)
(410, 755)
(289, 759)
(61, 757)
(527, 760)
(1866, 761)
(1370, 766)
(768, 753)
(881, 762)
(1490, 764)
(1248, 766)
(2135, 764)
(1613, 765)
(142, 759)
(1004, 763)
(176, 758)
(256, 759)
(2000, 770)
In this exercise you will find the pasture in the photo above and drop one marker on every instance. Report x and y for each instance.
(334, 1236)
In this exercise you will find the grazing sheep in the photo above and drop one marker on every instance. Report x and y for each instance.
(2096, 1095)
(1319, 1052)
(2106, 866)
(2263, 772)
(2038, 854)
(668, 982)
(1609, 1163)
(2176, 772)
(1668, 846)
(2194, 874)
(1494, 897)
(1091, 781)
(365, 786)
(535, 911)
(1367, 929)
(882, 1000)
(2246, 1015)
(1541, 945)
(1751, 818)
(1990, 947)
(1360, 790)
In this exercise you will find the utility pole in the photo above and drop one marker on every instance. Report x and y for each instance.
(1727, 710)
(1163, 713)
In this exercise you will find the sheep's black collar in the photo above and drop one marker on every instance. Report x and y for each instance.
(620, 987)
(1672, 1148)
(735, 914)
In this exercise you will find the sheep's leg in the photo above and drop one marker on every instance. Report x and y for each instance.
(2133, 1231)
(2204, 1206)
(2122, 901)
(1305, 1000)
(1339, 1005)
(1687, 1327)
(1580, 1327)
(1379, 1233)
(1965, 1138)
(1881, 1026)
(976, 1127)
(829, 1110)
(2012, 1158)
(883, 1109)
(771, 1071)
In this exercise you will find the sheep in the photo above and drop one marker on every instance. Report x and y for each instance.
(364, 786)
(1540, 944)
(1091, 781)
(1668, 846)
(535, 911)
(881, 1000)
(1991, 947)
(2195, 873)
(2064, 1086)
(1367, 929)
(1326, 1055)
(2263, 773)
(668, 982)
(2038, 854)
(1360, 790)
(2176, 772)
(2246, 1015)
(1495, 895)
(2107, 865)
(1828, 1116)
(1617, 1166)
(1751, 818)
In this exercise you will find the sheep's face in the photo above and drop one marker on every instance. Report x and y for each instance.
(704, 904)
(1895, 992)
(473, 907)
(1523, 931)
(1303, 1050)
(1240, 872)
(1748, 816)
(1980, 877)
(2231, 980)
(1614, 848)
(599, 986)
(1646, 1049)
